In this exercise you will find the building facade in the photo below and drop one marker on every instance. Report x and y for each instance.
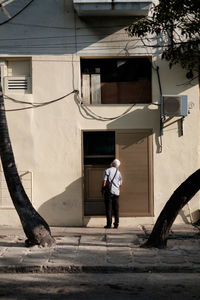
(78, 93)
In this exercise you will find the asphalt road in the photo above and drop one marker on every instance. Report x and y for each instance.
(100, 286)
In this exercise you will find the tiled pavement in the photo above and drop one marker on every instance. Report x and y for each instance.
(101, 250)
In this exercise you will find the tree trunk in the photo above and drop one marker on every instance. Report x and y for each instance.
(34, 226)
(181, 196)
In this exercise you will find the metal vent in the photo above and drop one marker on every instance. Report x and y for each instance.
(17, 84)
(174, 105)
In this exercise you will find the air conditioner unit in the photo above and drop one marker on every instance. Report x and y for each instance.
(174, 105)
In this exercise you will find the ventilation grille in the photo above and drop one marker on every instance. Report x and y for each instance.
(174, 105)
(17, 84)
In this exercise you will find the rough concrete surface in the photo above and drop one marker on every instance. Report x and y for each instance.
(101, 250)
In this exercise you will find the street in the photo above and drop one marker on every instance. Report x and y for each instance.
(100, 286)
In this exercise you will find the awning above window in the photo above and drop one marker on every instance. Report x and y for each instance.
(112, 7)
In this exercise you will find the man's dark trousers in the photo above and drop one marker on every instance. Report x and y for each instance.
(112, 204)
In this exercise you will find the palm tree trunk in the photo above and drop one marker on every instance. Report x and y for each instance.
(36, 229)
(180, 197)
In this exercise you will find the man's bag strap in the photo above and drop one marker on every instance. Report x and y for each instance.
(113, 177)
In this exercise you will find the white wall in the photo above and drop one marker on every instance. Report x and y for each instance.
(47, 140)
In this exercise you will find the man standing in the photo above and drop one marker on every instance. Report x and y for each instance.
(111, 186)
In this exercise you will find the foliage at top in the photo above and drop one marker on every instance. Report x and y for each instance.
(178, 23)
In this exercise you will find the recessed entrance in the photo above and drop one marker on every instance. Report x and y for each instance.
(134, 149)
(99, 152)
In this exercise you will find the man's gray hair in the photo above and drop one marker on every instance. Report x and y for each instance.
(116, 163)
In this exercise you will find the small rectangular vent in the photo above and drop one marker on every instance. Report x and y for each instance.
(17, 84)
(174, 105)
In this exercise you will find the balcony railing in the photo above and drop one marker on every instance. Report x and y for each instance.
(112, 7)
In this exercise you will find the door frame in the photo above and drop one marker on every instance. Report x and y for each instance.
(83, 167)
(150, 170)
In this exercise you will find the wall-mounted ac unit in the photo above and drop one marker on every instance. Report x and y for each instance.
(19, 84)
(174, 105)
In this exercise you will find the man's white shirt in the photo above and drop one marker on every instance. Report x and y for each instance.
(117, 181)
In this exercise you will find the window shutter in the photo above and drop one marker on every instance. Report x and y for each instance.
(86, 88)
(96, 88)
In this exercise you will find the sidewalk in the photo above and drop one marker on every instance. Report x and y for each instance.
(100, 250)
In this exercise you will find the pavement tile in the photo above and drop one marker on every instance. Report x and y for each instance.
(122, 240)
(12, 256)
(100, 250)
(145, 260)
(119, 255)
(170, 252)
(183, 243)
(67, 240)
(10, 260)
(192, 251)
(95, 240)
(2, 250)
(89, 255)
(36, 256)
(196, 268)
(184, 229)
(15, 251)
(148, 252)
(172, 259)
(63, 255)
(194, 259)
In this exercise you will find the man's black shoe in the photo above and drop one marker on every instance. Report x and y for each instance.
(115, 226)
(107, 226)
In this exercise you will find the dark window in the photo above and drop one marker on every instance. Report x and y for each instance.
(112, 81)
(99, 147)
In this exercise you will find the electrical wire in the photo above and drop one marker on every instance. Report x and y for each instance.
(91, 113)
(84, 107)
(67, 44)
(60, 37)
(69, 28)
(35, 104)
(19, 12)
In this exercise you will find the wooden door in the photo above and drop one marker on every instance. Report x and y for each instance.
(94, 202)
(134, 150)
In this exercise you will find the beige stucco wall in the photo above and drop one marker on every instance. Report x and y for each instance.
(47, 141)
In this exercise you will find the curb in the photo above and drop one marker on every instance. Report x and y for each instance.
(71, 269)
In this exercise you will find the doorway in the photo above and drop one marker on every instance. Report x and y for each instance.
(99, 152)
(134, 149)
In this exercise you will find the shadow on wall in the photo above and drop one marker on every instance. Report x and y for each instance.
(65, 209)
(53, 27)
(142, 118)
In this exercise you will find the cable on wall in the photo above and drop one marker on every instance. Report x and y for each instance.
(93, 115)
(19, 12)
(82, 107)
(35, 104)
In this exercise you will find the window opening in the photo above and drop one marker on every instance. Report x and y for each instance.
(99, 147)
(116, 80)
(18, 76)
